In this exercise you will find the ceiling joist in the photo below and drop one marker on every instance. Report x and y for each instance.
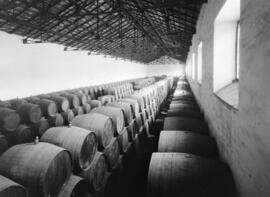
(141, 30)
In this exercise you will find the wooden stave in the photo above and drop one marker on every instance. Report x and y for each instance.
(9, 119)
(104, 130)
(97, 170)
(9, 188)
(29, 113)
(116, 114)
(112, 153)
(186, 124)
(81, 143)
(187, 142)
(75, 186)
(181, 174)
(42, 164)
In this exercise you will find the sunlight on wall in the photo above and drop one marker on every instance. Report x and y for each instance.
(225, 42)
(42, 68)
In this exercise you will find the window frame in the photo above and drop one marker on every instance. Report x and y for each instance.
(237, 52)
(199, 62)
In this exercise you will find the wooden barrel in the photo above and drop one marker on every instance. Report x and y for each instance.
(95, 103)
(61, 103)
(100, 124)
(9, 188)
(151, 120)
(92, 94)
(68, 116)
(78, 111)
(181, 174)
(144, 116)
(44, 96)
(147, 128)
(184, 99)
(106, 99)
(147, 97)
(111, 91)
(106, 188)
(32, 99)
(182, 92)
(185, 107)
(3, 144)
(133, 129)
(56, 121)
(85, 91)
(96, 172)
(48, 107)
(73, 99)
(77, 91)
(112, 152)
(86, 108)
(124, 140)
(185, 113)
(139, 99)
(23, 134)
(81, 143)
(187, 142)
(82, 98)
(88, 98)
(139, 122)
(5, 104)
(15, 103)
(41, 173)
(75, 187)
(185, 124)
(148, 110)
(183, 87)
(190, 101)
(115, 183)
(185, 102)
(135, 105)
(9, 119)
(116, 114)
(127, 109)
(29, 113)
(40, 127)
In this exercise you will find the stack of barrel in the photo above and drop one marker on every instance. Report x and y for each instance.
(88, 153)
(120, 91)
(20, 121)
(142, 83)
(39, 168)
(69, 144)
(110, 123)
(186, 162)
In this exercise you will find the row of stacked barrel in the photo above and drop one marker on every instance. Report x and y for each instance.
(142, 83)
(119, 91)
(84, 158)
(23, 119)
(186, 162)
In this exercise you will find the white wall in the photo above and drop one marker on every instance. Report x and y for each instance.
(42, 68)
(242, 134)
(165, 69)
(224, 53)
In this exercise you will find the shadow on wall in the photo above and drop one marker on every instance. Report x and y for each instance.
(41, 68)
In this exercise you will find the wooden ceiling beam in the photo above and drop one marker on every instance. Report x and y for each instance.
(145, 14)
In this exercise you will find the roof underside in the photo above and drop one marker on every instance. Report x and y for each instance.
(140, 30)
